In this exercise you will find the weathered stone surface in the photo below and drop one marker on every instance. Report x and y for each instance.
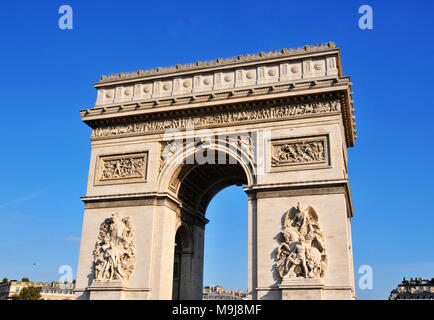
(165, 141)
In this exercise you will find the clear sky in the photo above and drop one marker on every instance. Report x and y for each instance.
(47, 75)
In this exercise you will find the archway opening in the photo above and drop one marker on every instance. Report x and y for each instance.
(196, 185)
(182, 264)
(226, 245)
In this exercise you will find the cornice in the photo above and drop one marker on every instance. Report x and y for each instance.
(162, 93)
(328, 186)
(219, 62)
(215, 98)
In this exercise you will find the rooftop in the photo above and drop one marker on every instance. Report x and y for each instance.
(219, 62)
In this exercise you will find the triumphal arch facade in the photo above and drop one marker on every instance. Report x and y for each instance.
(165, 141)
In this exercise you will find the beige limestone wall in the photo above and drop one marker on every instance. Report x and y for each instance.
(332, 212)
(163, 250)
(156, 225)
(305, 173)
(121, 146)
(142, 219)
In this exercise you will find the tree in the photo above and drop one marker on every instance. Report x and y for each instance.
(5, 280)
(28, 293)
(25, 279)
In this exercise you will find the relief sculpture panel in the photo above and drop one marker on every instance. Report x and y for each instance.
(289, 154)
(114, 251)
(121, 168)
(302, 252)
(258, 114)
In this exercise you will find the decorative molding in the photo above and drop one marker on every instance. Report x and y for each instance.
(300, 152)
(302, 252)
(121, 168)
(241, 142)
(219, 62)
(292, 72)
(114, 253)
(286, 74)
(262, 113)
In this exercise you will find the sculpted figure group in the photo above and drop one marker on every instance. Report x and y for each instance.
(123, 168)
(302, 253)
(299, 152)
(114, 252)
(263, 113)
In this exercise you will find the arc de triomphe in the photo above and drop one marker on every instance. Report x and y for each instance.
(165, 141)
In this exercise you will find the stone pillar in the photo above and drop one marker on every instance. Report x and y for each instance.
(186, 276)
(252, 245)
(163, 253)
(330, 204)
(197, 261)
(301, 289)
(107, 290)
(137, 286)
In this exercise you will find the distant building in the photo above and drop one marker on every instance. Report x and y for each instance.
(220, 293)
(57, 291)
(413, 289)
(49, 291)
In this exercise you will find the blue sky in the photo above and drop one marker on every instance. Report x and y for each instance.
(47, 77)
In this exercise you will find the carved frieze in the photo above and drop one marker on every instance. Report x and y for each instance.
(302, 252)
(114, 251)
(121, 168)
(264, 113)
(291, 153)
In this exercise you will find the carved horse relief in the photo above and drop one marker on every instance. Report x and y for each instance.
(114, 252)
(302, 253)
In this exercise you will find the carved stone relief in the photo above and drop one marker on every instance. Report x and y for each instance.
(241, 143)
(264, 113)
(121, 168)
(114, 253)
(168, 150)
(300, 151)
(302, 252)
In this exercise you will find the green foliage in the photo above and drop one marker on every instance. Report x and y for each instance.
(5, 280)
(25, 279)
(28, 293)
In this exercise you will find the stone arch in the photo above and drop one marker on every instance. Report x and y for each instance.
(294, 107)
(193, 186)
(175, 169)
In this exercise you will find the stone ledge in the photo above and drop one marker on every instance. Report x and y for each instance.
(301, 284)
(113, 285)
(219, 62)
